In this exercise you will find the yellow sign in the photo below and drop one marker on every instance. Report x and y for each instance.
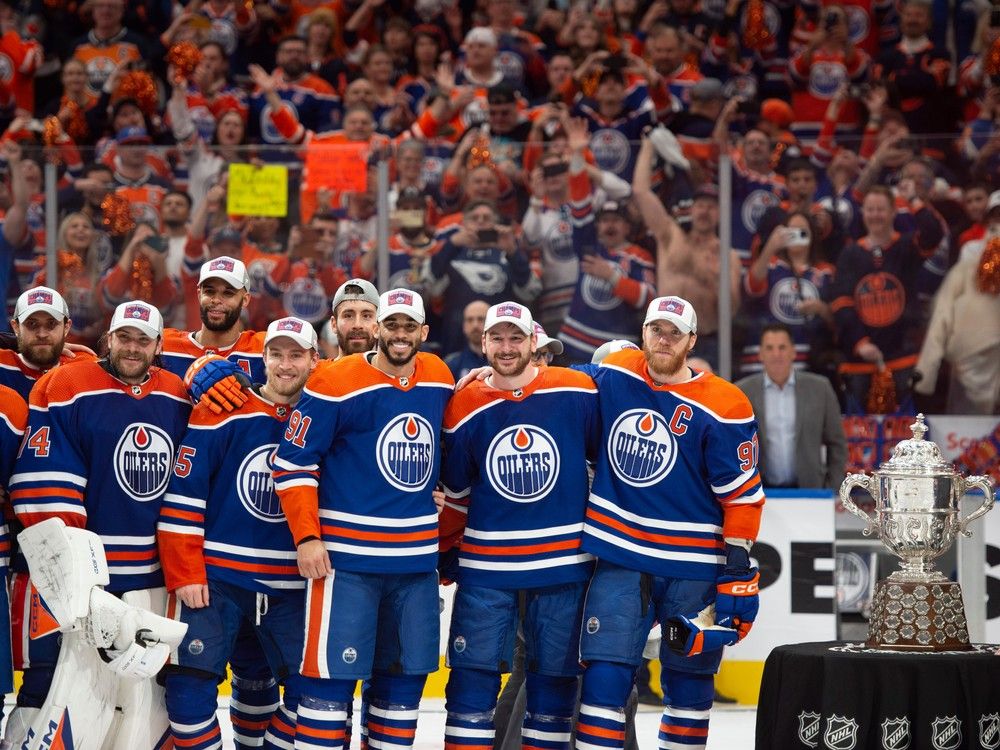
(257, 191)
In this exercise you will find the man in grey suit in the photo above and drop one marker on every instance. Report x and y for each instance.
(802, 442)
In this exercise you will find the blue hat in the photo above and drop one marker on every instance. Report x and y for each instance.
(133, 134)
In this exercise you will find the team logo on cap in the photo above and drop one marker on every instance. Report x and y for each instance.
(222, 264)
(144, 457)
(255, 485)
(401, 298)
(289, 324)
(641, 447)
(671, 306)
(40, 297)
(137, 312)
(509, 311)
(405, 452)
(522, 463)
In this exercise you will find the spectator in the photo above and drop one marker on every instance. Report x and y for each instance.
(917, 69)
(687, 264)
(479, 67)
(109, 46)
(975, 202)
(874, 299)
(175, 212)
(428, 46)
(125, 280)
(787, 284)
(802, 441)
(462, 362)
(615, 122)
(323, 48)
(483, 259)
(71, 108)
(410, 245)
(22, 57)
(671, 76)
(694, 127)
(519, 51)
(376, 67)
(964, 329)
(546, 349)
(134, 179)
(973, 80)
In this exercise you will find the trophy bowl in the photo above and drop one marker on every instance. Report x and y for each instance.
(917, 516)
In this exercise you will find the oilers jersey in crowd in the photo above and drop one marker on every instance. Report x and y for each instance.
(221, 518)
(515, 462)
(677, 473)
(16, 373)
(180, 349)
(98, 454)
(359, 461)
(13, 420)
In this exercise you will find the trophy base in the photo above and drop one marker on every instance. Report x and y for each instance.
(918, 616)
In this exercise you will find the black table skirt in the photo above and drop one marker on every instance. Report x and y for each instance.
(841, 696)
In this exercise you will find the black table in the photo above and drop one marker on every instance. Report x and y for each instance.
(842, 696)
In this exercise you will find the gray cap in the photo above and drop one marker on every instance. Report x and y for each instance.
(368, 293)
(707, 89)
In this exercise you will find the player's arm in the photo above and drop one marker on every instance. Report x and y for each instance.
(296, 477)
(217, 383)
(180, 530)
(13, 423)
(50, 474)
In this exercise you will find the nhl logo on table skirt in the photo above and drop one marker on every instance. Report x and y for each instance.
(405, 452)
(809, 723)
(946, 732)
(896, 733)
(522, 463)
(989, 731)
(144, 457)
(841, 733)
(641, 447)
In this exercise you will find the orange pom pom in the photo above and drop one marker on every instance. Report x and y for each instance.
(139, 85)
(184, 56)
(479, 154)
(51, 131)
(882, 393)
(142, 279)
(756, 34)
(991, 65)
(117, 214)
(988, 274)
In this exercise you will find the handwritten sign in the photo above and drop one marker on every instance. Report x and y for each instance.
(340, 167)
(257, 191)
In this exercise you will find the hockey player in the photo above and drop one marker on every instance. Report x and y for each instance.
(355, 474)
(355, 307)
(228, 556)
(515, 474)
(98, 451)
(40, 323)
(673, 510)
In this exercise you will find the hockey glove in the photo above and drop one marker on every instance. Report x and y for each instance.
(216, 383)
(690, 636)
(736, 597)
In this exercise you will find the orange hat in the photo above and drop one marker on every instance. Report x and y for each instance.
(777, 111)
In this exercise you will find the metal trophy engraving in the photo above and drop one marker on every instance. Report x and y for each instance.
(917, 496)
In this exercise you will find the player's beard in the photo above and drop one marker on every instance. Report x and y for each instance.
(228, 322)
(665, 369)
(41, 356)
(393, 359)
(510, 368)
(130, 365)
(351, 344)
(286, 389)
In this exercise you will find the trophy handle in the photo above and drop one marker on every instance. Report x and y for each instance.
(986, 485)
(865, 482)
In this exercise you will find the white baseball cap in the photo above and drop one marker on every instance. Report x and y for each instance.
(230, 270)
(298, 330)
(609, 347)
(544, 340)
(403, 301)
(40, 299)
(509, 312)
(140, 315)
(993, 201)
(481, 34)
(368, 293)
(678, 311)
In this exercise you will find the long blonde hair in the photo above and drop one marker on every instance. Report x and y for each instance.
(91, 258)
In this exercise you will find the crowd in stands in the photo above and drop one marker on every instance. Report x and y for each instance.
(562, 153)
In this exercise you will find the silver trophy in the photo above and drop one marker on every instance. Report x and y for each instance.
(917, 498)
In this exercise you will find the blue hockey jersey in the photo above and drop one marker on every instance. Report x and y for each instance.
(180, 349)
(359, 461)
(13, 420)
(677, 473)
(98, 454)
(220, 517)
(515, 463)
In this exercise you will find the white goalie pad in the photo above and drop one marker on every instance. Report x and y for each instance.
(66, 563)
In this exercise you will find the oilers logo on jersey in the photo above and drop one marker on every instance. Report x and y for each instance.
(143, 460)
(255, 485)
(641, 447)
(522, 463)
(405, 452)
